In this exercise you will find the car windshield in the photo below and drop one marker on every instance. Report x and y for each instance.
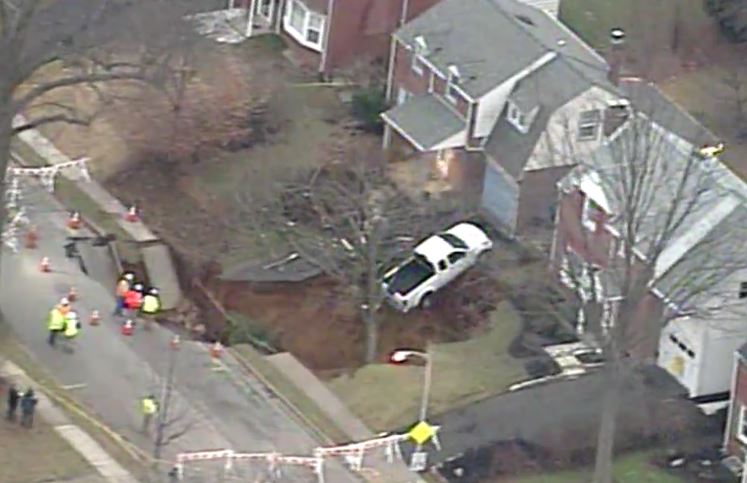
(453, 241)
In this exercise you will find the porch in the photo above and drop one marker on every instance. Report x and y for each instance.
(241, 20)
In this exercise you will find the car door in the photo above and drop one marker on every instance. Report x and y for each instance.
(458, 263)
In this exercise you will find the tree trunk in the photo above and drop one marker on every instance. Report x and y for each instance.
(607, 423)
(372, 334)
(6, 127)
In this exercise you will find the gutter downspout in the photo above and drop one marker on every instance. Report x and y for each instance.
(390, 69)
(403, 14)
(325, 46)
(732, 396)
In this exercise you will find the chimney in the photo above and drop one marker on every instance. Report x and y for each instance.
(617, 47)
(616, 113)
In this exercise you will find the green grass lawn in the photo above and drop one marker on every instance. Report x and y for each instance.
(631, 468)
(462, 372)
(649, 22)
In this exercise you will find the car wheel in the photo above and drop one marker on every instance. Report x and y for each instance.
(427, 301)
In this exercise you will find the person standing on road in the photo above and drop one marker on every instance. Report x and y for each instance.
(123, 286)
(149, 407)
(134, 299)
(28, 407)
(55, 323)
(72, 327)
(151, 306)
(13, 397)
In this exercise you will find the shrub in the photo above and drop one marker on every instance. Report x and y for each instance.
(367, 104)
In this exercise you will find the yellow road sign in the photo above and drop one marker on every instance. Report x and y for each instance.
(422, 432)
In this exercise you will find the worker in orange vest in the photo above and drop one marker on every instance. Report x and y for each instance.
(123, 286)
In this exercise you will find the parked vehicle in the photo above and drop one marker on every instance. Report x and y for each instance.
(435, 262)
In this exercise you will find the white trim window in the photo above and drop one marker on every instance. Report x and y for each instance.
(305, 26)
(452, 84)
(265, 9)
(419, 51)
(588, 125)
(517, 118)
(742, 424)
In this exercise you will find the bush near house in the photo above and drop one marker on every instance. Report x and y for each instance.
(367, 105)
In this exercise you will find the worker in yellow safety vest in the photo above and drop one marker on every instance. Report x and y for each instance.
(149, 407)
(72, 325)
(150, 307)
(55, 324)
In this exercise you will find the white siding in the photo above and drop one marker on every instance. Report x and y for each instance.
(558, 146)
(491, 105)
(672, 358)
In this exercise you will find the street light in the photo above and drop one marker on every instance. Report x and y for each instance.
(402, 356)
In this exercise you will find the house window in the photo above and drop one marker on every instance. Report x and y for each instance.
(305, 26)
(588, 125)
(742, 290)
(314, 29)
(452, 84)
(264, 8)
(516, 117)
(742, 427)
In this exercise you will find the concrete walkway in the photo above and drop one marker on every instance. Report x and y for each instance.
(91, 451)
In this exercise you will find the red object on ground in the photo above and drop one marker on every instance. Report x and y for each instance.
(131, 214)
(72, 294)
(128, 328)
(44, 265)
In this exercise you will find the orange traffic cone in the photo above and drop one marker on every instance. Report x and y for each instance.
(128, 327)
(74, 221)
(44, 265)
(72, 294)
(95, 318)
(216, 351)
(131, 214)
(32, 237)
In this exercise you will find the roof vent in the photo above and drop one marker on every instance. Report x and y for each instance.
(525, 20)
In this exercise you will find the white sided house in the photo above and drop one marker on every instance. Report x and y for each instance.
(699, 284)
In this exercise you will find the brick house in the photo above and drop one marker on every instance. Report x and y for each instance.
(691, 318)
(331, 34)
(497, 86)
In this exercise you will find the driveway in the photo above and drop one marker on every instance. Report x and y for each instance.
(226, 409)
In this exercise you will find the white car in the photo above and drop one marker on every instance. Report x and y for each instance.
(436, 261)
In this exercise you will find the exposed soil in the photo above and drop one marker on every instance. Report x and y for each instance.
(317, 322)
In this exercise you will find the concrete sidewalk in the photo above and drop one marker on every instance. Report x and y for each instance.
(93, 453)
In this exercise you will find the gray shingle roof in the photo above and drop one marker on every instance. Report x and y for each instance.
(468, 33)
(708, 202)
(549, 87)
(648, 98)
(426, 120)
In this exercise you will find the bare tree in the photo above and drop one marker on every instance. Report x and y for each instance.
(647, 216)
(187, 114)
(48, 46)
(351, 221)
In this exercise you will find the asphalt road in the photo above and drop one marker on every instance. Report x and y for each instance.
(223, 409)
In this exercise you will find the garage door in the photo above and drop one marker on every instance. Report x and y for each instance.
(500, 199)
